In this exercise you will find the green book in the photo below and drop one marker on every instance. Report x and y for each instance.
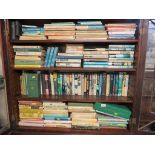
(81, 104)
(115, 110)
(28, 62)
(120, 82)
(27, 49)
(33, 87)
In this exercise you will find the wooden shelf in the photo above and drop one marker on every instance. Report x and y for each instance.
(80, 98)
(75, 41)
(54, 130)
(78, 69)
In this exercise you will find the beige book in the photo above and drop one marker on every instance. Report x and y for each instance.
(108, 85)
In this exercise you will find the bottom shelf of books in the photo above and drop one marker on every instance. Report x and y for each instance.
(73, 117)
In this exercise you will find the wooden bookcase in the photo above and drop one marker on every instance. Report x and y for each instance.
(13, 75)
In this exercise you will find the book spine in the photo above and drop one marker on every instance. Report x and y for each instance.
(108, 85)
(52, 64)
(120, 84)
(111, 84)
(50, 57)
(104, 76)
(46, 85)
(116, 84)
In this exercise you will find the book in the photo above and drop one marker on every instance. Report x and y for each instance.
(119, 111)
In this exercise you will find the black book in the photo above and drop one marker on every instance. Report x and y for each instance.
(18, 28)
(111, 84)
(13, 30)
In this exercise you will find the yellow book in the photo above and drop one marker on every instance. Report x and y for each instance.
(108, 85)
(27, 66)
(18, 57)
(24, 110)
(83, 115)
(84, 120)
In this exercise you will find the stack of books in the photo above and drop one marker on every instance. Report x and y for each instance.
(60, 30)
(112, 115)
(83, 115)
(55, 114)
(32, 33)
(29, 56)
(50, 58)
(109, 84)
(121, 56)
(90, 30)
(121, 31)
(30, 113)
(72, 56)
(117, 84)
(95, 58)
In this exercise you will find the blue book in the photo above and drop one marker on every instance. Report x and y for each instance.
(54, 57)
(90, 22)
(121, 56)
(47, 56)
(32, 29)
(33, 32)
(50, 56)
(69, 57)
(95, 63)
(56, 118)
(96, 27)
(100, 84)
(95, 66)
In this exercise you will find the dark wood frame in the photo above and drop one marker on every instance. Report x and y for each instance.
(12, 83)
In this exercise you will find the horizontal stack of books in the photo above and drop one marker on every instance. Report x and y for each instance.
(121, 30)
(50, 58)
(95, 58)
(90, 30)
(83, 115)
(114, 84)
(112, 115)
(121, 56)
(117, 84)
(55, 114)
(28, 56)
(30, 113)
(60, 30)
(32, 33)
(72, 56)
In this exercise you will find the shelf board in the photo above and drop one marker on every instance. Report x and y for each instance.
(80, 98)
(78, 69)
(76, 41)
(55, 130)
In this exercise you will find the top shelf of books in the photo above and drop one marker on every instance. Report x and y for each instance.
(76, 41)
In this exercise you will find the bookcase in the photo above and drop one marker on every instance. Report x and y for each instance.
(13, 76)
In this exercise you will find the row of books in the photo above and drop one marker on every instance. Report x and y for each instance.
(121, 30)
(79, 30)
(75, 55)
(73, 115)
(109, 84)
